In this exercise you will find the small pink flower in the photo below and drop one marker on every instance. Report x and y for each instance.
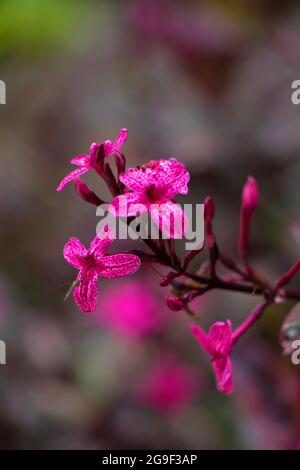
(151, 188)
(93, 263)
(85, 162)
(218, 344)
(169, 386)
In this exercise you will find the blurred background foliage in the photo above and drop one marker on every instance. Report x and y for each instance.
(208, 82)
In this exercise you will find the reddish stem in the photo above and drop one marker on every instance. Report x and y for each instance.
(286, 277)
(249, 321)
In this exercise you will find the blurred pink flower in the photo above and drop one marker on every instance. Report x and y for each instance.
(218, 343)
(169, 386)
(85, 162)
(93, 263)
(131, 310)
(151, 188)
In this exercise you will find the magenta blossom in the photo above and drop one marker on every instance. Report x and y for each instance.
(133, 313)
(218, 344)
(151, 188)
(169, 386)
(93, 263)
(84, 162)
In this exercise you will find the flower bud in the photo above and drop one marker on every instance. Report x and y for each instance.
(174, 303)
(250, 195)
(250, 199)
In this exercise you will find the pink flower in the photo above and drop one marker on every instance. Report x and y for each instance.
(218, 344)
(151, 188)
(93, 263)
(169, 386)
(85, 162)
(133, 313)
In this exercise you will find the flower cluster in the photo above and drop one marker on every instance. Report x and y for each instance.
(151, 188)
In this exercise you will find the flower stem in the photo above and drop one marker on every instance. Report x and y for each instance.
(249, 321)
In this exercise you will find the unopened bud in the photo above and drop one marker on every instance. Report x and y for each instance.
(250, 199)
(174, 303)
(250, 195)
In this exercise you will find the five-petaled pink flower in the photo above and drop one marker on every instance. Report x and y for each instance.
(85, 162)
(93, 262)
(218, 344)
(151, 188)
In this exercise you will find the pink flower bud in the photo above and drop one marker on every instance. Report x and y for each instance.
(250, 199)
(250, 195)
(85, 193)
(174, 303)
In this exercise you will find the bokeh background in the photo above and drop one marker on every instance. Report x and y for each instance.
(208, 82)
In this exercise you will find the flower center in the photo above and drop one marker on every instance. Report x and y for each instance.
(154, 194)
(90, 262)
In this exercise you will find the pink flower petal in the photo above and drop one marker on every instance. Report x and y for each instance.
(128, 205)
(101, 242)
(170, 218)
(218, 344)
(220, 337)
(71, 176)
(85, 295)
(74, 251)
(201, 337)
(121, 139)
(93, 153)
(170, 174)
(223, 371)
(119, 265)
(81, 160)
(108, 147)
(138, 179)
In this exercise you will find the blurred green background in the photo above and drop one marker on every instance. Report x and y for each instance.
(208, 82)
